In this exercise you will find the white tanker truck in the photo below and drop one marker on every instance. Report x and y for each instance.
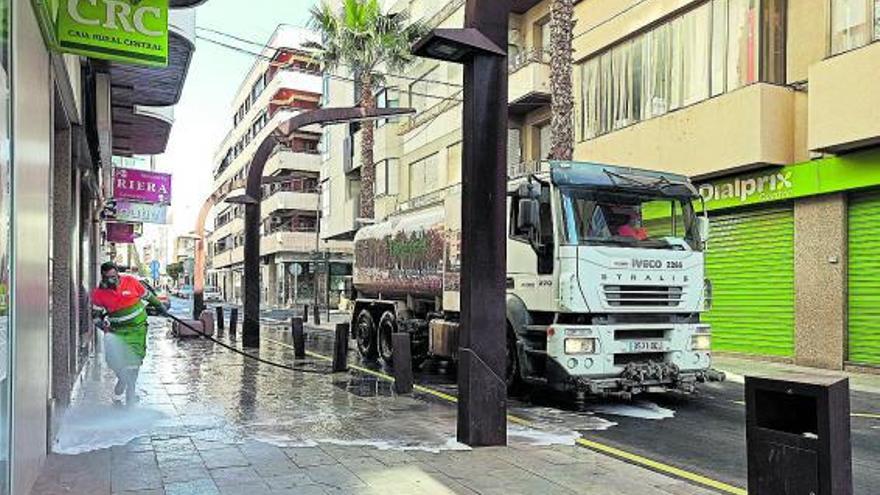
(605, 281)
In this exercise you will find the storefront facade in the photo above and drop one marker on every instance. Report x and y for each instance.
(793, 256)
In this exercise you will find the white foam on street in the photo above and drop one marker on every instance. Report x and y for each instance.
(637, 409)
(92, 427)
(543, 438)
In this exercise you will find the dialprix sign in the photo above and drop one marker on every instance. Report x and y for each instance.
(132, 31)
(823, 176)
(141, 186)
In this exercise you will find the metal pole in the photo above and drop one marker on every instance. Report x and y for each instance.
(482, 388)
(254, 195)
(340, 348)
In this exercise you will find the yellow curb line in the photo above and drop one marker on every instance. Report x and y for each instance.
(596, 446)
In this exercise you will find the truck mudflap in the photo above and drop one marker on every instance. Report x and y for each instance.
(649, 376)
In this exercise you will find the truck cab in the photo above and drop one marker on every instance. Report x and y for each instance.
(605, 280)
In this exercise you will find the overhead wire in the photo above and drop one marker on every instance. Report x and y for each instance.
(384, 74)
(284, 66)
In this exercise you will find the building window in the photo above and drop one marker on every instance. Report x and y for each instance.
(387, 98)
(423, 176)
(386, 177)
(854, 23)
(716, 47)
(325, 199)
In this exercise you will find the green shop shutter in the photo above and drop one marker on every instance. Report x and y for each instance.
(750, 261)
(864, 284)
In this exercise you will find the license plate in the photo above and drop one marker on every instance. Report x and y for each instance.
(647, 346)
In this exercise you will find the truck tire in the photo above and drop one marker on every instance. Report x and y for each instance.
(512, 371)
(365, 334)
(387, 326)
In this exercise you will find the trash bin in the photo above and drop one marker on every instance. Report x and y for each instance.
(798, 435)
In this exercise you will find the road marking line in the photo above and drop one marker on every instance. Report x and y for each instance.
(590, 444)
(854, 415)
(659, 466)
(865, 415)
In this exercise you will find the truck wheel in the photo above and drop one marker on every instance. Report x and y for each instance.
(365, 334)
(387, 326)
(512, 374)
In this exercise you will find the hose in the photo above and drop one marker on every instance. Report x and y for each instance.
(238, 351)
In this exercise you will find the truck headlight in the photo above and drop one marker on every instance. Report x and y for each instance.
(580, 346)
(701, 342)
(707, 294)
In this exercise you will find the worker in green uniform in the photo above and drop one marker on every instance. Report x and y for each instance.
(120, 303)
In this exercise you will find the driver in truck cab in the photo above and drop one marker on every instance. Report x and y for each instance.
(632, 225)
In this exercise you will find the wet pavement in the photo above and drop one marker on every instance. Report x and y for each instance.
(211, 421)
(702, 433)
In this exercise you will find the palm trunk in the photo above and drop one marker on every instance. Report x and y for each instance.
(562, 105)
(368, 168)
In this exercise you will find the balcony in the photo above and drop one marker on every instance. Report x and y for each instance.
(387, 143)
(283, 159)
(342, 222)
(751, 126)
(234, 226)
(303, 242)
(843, 101)
(228, 258)
(300, 242)
(289, 200)
(528, 81)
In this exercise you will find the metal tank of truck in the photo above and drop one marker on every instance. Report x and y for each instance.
(605, 281)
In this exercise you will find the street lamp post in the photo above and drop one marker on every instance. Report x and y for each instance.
(252, 199)
(481, 47)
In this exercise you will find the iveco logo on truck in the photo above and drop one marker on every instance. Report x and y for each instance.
(647, 263)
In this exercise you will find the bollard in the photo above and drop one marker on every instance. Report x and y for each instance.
(305, 312)
(220, 317)
(207, 319)
(233, 322)
(317, 315)
(299, 338)
(340, 348)
(402, 357)
(798, 435)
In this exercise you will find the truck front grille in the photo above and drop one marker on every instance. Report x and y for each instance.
(640, 334)
(624, 359)
(643, 295)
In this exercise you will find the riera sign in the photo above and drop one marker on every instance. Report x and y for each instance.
(142, 186)
(123, 30)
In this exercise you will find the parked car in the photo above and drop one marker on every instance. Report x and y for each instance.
(185, 291)
(213, 294)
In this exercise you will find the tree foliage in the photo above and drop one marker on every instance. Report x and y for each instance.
(359, 38)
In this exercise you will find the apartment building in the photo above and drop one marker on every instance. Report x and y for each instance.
(769, 105)
(282, 83)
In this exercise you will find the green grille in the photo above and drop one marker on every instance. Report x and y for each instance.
(864, 278)
(750, 261)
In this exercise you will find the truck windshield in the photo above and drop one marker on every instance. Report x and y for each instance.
(629, 219)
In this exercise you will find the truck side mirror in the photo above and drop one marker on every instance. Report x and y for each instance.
(527, 217)
(703, 227)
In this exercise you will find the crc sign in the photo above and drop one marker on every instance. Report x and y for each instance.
(121, 30)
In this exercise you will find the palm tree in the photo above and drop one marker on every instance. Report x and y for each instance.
(358, 37)
(562, 102)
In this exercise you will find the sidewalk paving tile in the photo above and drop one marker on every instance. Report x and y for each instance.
(233, 427)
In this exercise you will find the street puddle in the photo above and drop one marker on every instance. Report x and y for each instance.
(636, 409)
